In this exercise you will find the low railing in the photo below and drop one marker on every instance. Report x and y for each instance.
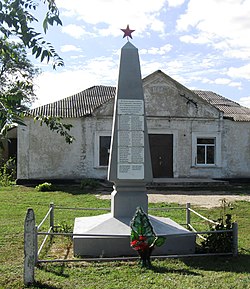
(32, 232)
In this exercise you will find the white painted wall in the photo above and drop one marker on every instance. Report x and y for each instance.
(236, 149)
(43, 154)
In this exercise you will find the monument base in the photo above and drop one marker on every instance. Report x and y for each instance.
(106, 236)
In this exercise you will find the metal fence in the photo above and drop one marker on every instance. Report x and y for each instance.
(32, 233)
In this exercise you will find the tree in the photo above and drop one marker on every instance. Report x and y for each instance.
(16, 84)
(16, 20)
(17, 91)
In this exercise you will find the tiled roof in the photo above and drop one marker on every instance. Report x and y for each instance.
(85, 102)
(231, 109)
(77, 105)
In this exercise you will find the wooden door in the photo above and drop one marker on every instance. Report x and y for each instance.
(161, 150)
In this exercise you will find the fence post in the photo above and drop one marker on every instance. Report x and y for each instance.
(235, 239)
(51, 216)
(30, 247)
(187, 214)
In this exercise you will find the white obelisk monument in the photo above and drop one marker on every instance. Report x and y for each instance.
(108, 235)
(130, 161)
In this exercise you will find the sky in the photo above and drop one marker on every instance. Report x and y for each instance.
(203, 44)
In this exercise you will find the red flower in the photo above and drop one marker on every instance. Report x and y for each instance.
(142, 238)
(139, 245)
(133, 243)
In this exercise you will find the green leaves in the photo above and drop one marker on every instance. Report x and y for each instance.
(16, 19)
(36, 51)
(143, 238)
(16, 84)
(16, 92)
(50, 19)
(160, 241)
(134, 235)
(141, 226)
(55, 124)
(220, 242)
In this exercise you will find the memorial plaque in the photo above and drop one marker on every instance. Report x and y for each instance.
(130, 172)
(124, 155)
(137, 122)
(128, 155)
(137, 138)
(124, 138)
(130, 106)
(130, 139)
(124, 122)
(137, 155)
(130, 122)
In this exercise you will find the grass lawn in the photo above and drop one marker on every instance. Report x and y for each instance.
(196, 272)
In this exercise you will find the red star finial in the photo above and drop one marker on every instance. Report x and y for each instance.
(127, 32)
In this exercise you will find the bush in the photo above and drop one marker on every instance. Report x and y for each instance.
(8, 173)
(221, 242)
(45, 187)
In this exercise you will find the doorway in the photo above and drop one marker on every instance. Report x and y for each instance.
(161, 150)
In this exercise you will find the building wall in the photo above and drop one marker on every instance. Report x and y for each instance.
(236, 149)
(170, 108)
(183, 131)
(96, 127)
(45, 155)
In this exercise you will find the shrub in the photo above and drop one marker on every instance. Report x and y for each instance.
(8, 173)
(45, 187)
(221, 242)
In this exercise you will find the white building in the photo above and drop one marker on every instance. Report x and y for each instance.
(192, 134)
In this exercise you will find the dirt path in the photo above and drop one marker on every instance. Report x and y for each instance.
(205, 199)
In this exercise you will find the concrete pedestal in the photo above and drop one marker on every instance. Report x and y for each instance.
(106, 236)
(126, 198)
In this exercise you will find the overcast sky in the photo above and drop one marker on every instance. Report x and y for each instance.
(203, 44)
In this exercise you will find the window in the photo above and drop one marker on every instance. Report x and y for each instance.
(206, 149)
(104, 145)
(205, 154)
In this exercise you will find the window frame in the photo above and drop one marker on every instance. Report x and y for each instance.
(206, 146)
(216, 145)
(98, 135)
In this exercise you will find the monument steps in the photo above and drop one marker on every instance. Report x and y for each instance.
(177, 183)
